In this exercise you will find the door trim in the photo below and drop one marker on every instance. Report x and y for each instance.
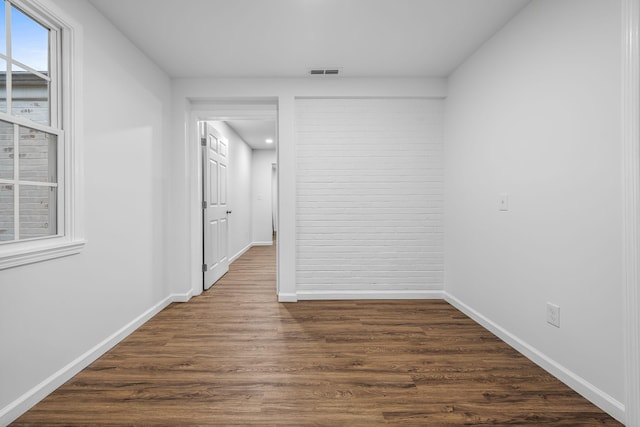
(227, 109)
(631, 206)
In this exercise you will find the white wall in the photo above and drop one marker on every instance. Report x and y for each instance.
(369, 198)
(261, 179)
(239, 190)
(535, 113)
(55, 311)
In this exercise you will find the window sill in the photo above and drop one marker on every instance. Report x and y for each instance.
(39, 251)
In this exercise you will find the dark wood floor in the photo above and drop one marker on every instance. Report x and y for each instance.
(234, 356)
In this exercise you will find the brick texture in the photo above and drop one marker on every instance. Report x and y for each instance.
(369, 195)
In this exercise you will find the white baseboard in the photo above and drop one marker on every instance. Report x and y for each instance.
(240, 253)
(349, 295)
(25, 402)
(246, 248)
(282, 297)
(181, 297)
(596, 396)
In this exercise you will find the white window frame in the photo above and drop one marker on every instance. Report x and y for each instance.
(65, 111)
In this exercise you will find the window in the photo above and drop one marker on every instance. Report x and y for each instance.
(39, 157)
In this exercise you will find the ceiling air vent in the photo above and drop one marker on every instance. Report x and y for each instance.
(324, 71)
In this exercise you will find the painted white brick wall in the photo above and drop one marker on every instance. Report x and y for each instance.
(369, 196)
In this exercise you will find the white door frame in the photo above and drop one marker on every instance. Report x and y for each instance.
(228, 109)
(631, 206)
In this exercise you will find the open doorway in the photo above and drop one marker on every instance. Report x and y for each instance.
(238, 155)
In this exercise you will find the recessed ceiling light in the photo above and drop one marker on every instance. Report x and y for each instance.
(269, 141)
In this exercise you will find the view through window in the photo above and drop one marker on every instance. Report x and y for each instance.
(29, 131)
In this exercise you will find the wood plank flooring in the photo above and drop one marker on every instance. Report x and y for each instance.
(235, 356)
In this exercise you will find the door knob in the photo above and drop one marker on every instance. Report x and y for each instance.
(228, 212)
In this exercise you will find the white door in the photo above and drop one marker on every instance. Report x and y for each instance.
(215, 209)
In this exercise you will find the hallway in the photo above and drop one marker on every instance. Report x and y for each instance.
(235, 356)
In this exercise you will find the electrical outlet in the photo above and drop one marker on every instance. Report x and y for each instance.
(503, 204)
(553, 314)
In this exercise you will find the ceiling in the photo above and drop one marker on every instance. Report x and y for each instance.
(286, 38)
(255, 132)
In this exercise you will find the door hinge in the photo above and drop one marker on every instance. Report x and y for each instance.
(203, 142)
(204, 204)
(204, 268)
